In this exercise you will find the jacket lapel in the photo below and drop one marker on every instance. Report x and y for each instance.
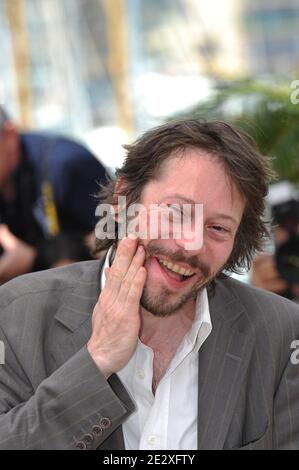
(75, 314)
(223, 362)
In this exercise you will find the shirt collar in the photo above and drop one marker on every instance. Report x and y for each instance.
(106, 265)
(202, 321)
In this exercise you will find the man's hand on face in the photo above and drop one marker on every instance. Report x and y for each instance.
(18, 257)
(116, 317)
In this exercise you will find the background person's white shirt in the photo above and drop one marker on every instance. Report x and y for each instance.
(167, 420)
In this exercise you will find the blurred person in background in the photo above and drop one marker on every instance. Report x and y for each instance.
(265, 274)
(47, 208)
(278, 270)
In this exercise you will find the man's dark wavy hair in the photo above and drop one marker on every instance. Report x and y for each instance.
(248, 169)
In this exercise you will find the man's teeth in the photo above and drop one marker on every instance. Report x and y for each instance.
(176, 269)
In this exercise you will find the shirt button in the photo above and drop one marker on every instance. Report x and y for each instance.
(152, 440)
(105, 423)
(81, 445)
(140, 374)
(88, 439)
(97, 430)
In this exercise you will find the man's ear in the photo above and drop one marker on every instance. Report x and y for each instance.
(119, 203)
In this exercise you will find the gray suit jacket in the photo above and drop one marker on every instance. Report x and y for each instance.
(52, 395)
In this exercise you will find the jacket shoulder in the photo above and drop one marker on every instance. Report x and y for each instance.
(261, 306)
(50, 280)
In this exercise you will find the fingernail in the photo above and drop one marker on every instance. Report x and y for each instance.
(132, 236)
(140, 250)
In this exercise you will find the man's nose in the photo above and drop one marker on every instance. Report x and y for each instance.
(192, 246)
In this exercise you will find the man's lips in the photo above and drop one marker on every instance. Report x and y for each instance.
(178, 264)
(173, 280)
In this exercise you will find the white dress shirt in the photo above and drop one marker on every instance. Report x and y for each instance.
(168, 419)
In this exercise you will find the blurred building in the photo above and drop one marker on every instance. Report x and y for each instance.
(7, 70)
(90, 59)
(77, 66)
(68, 54)
(271, 32)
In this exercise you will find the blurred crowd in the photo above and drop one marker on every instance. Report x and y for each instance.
(48, 189)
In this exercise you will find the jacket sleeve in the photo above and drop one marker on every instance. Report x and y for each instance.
(74, 408)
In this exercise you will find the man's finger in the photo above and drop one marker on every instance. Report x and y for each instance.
(136, 289)
(123, 258)
(129, 278)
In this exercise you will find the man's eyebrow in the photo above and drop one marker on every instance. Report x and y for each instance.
(179, 196)
(224, 216)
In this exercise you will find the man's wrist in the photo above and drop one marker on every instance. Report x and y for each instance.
(99, 361)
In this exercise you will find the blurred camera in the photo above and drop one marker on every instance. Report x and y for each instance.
(284, 203)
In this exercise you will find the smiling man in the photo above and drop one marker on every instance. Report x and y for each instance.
(156, 347)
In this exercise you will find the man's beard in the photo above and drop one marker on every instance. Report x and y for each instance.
(160, 305)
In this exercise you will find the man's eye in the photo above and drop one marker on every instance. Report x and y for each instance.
(175, 209)
(220, 229)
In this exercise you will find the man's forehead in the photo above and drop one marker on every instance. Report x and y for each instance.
(180, 198)
(178, 158)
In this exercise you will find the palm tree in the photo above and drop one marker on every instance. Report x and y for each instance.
(266, 113)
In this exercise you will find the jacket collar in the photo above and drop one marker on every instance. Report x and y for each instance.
(78, 301)
(223, 364)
